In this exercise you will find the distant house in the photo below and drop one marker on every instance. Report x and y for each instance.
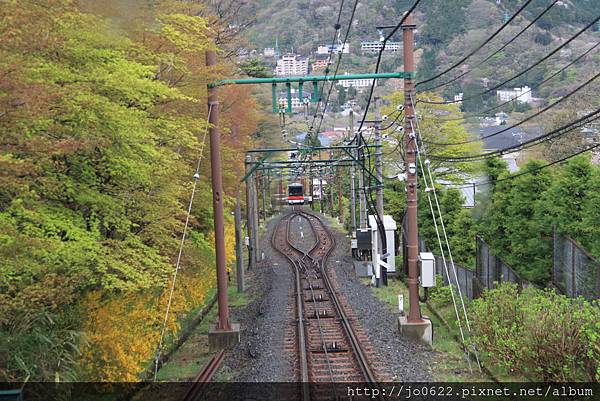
(356, 83)
(472, 187)
(291, 64)
(269, 52)
(375, 46)
(320, 64)
(521, 95)
(458, 98)
(501, 118)
(297, 103)
(336, 48)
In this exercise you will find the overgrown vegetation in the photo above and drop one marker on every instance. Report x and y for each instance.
(539, 334)
(101, 126)
(518, 219)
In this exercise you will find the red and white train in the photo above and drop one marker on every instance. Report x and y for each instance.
(295, 194)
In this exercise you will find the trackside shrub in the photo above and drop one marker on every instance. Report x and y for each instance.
(538, 333)
(441, 294)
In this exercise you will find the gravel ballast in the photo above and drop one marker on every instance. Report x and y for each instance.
(259, 357)
(268, 317)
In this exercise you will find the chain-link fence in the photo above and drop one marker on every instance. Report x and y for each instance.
(490, 270)
(463, 275)
(574, 272)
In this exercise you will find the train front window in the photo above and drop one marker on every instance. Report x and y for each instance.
(296, 191)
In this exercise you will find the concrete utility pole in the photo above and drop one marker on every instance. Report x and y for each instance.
(331, 203)
(312, 189)
(239, 246)
(362, 200)
(353, 195)
(224, 334)
(252, 215)
(321, 192)
(352, 179)
(281, 193)
(256, 224)
(414, 314)
(263, 187)
(258, 186)
(378, 160)
(340, 203)
(249, 214)
(379, 190)
(269, 189)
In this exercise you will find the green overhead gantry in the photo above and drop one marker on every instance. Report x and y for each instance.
(301, 80)
(262, 162)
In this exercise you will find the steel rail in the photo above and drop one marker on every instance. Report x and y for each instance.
(299, 308)
(312, 292)
(355, 343)
(205, 376)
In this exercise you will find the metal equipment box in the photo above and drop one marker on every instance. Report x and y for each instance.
(363, 240)
(427, 269)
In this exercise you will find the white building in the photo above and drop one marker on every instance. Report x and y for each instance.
(297, 103)
(458, 98)
(291, 65)
(337, 48)
(501, 118)
(269, 52)
(596, 157)
(377, 45)
(521, 95)
(356, 83)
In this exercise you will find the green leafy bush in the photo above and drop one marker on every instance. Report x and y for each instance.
(538, 333)
(440, 294)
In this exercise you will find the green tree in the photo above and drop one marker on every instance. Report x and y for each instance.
(567, 201)
(341, 98)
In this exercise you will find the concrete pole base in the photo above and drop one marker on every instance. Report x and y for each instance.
(223, 339)
(421, 331)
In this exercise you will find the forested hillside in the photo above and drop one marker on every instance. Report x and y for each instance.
(102, 122)
(447, 31)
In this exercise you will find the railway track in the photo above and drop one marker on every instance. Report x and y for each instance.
(201, 381)
(328, 345)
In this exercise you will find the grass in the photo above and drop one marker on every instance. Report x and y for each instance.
(189, 359)
(450, 364)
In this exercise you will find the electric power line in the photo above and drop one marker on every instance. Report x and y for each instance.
(520, 73)
(465, 58)
(588, 118)
(495, 52)
(380, 54)
(337, 27)
(339, 60)
(522, 121)
(567, 66)
(533, 170)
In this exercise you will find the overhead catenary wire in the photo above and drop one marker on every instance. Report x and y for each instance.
(182, 242)
(545, 109)
(380, 54)
(337, 27)
(337, 66)
(540, 61)
(485, 42)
